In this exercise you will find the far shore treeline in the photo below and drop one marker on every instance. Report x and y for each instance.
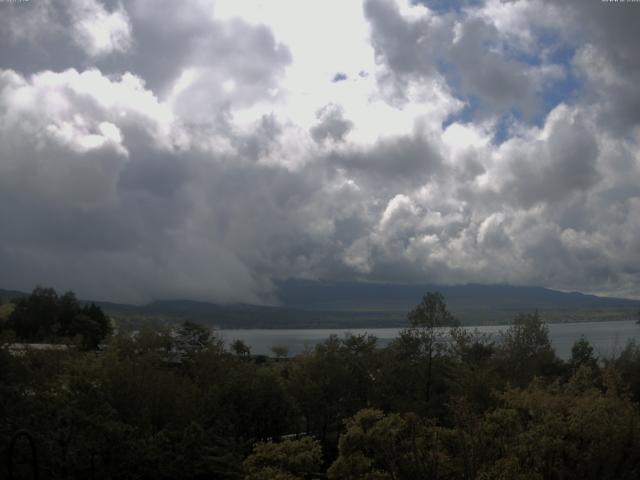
(341, 305)
(169, 401)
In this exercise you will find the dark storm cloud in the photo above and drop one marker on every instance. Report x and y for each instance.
(609, 60)
(485, 73)
(146, 151)
(35, 36)
(262, 140)
(331, 124)
(552, 169)
(567, 173)
(224, 51)
(79, 200)
(475, 57)
(48, 35)
(101, 190)
(392, 165)
(156, 40)
(406, 48)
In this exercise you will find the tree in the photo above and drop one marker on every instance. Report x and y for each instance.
(255, 402)
(525, 350)
(43, 315)
(400, 376)
(320, 382)
(333, 382)
(475, 366)
(240, 348)
(190, 339)
(68, 309)
(427, 320)
(91, 325)
(562, 431)
(627, 365)
(6, 309)
(280, 351)
(34, 317)
(582, 355)
(287, 460)
(377, 446)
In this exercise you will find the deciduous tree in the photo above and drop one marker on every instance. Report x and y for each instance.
(427, 320)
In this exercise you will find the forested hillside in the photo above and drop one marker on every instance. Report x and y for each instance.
(310, 304)
(171, 403)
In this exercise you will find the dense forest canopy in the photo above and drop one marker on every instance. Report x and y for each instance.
(46, 316)
(171, 402)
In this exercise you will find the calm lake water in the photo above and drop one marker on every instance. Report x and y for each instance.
(607, 338)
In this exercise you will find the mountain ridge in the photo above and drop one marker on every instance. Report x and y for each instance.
(311, 304)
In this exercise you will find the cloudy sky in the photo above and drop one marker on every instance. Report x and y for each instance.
(205, 149)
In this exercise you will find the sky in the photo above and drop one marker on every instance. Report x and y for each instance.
(207, 149)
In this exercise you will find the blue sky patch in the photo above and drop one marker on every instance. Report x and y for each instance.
(339, 77)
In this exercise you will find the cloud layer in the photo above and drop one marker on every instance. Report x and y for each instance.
(204, 149)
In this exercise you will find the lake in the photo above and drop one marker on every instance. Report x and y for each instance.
(607, 338)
